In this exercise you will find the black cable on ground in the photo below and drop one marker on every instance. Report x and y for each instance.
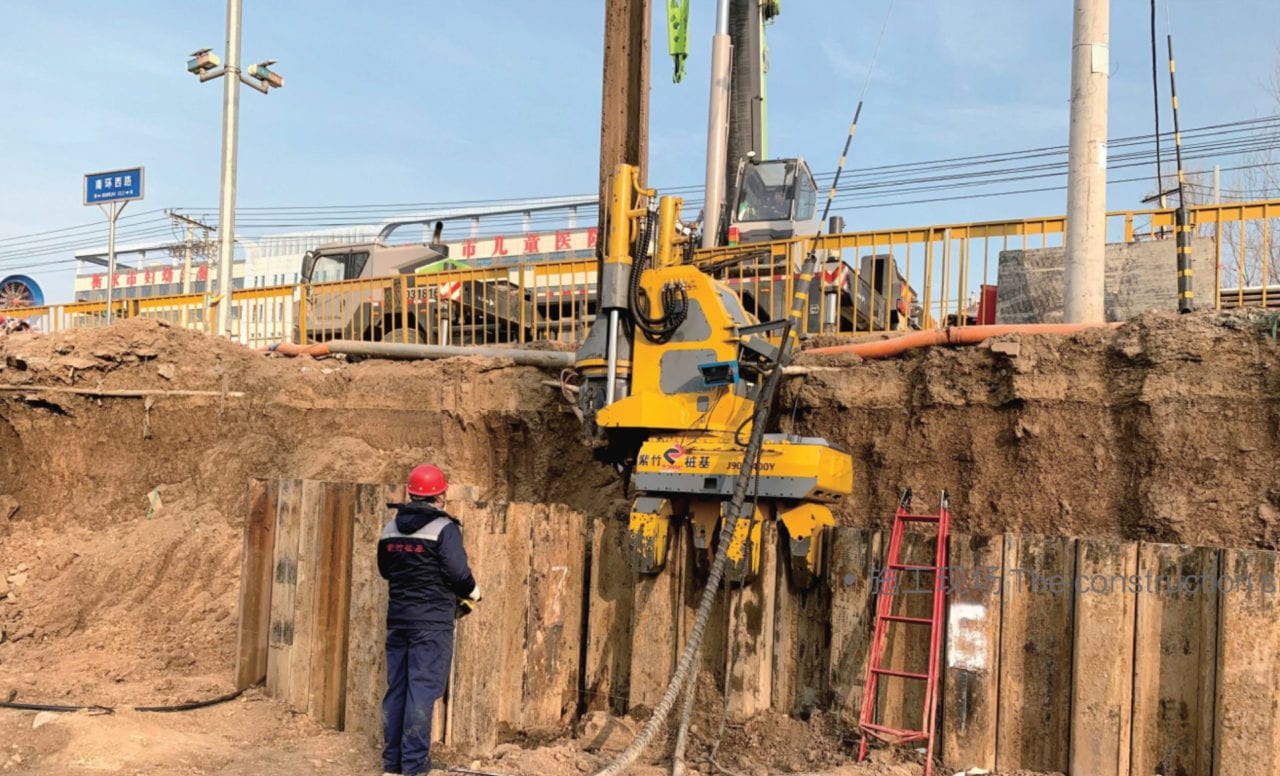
(53, 707)
(112, 709)
(193, 705)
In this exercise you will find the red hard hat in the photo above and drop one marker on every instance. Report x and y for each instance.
(427, 480)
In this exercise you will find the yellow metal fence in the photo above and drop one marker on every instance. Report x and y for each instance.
(872, 281)
(944, 268)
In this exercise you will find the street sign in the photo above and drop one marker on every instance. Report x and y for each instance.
(111, 191)
(114, 186)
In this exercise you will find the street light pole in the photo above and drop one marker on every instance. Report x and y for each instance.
(206, 65)
(227, 192)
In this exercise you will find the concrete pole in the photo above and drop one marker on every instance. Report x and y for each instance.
(624, 105)
(1087, 164)
(227, 194)
(717, 125)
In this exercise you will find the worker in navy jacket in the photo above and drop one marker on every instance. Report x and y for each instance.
(429, 581)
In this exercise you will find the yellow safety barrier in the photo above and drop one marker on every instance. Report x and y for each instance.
(508, 304)
(938, 273)
(880, 280)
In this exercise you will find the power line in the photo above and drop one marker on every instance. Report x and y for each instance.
(886, 184)
(330, 212)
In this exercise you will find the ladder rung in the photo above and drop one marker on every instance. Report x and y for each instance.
(908, 620)
(900, 674)
(919, 518)
(911, 567)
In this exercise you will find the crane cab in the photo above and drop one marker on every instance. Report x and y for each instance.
(773, 200)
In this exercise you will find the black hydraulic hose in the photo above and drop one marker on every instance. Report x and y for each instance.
(193, 705)
(111, 709)
(675, 300)
(52, 707)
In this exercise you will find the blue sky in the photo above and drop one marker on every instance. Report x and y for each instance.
(390, 102)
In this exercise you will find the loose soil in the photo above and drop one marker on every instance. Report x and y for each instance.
(120, 518)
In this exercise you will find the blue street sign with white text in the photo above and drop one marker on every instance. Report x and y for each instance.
(114, 186)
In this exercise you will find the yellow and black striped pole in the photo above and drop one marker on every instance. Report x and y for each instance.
(831, 195)
(1182, 219)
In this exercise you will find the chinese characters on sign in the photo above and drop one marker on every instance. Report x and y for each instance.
(114, 186)
(148, 277)
(526, 244)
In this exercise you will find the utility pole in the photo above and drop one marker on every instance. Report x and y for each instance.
(205, 65)
(624, 105)
(1086, 242)
(717, 126)
(187, 248)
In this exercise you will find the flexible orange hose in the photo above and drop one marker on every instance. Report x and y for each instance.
(291, 349)
(954, 335)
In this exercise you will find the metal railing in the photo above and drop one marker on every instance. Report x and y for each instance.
(510, 304)
(945, 268)
(873, 281)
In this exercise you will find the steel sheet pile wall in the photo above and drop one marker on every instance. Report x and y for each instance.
(1053, 661)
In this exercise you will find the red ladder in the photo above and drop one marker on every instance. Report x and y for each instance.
(885, 617)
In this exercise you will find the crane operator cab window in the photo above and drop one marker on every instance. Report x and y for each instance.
(776, 199)
(318, 267)
(767, 191)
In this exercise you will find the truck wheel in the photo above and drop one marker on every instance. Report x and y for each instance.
(403, 336)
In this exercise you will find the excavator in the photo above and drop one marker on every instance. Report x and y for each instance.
(670, 374)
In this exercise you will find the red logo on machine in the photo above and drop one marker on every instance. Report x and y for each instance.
(672, 456)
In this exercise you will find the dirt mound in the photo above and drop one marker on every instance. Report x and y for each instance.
(94, 357)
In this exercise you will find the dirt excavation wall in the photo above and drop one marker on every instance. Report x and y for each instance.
(1165, 431)
(125, 602)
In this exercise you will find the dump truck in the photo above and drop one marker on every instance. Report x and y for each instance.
(415, 294)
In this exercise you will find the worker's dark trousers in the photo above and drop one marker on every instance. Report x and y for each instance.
(417, 669)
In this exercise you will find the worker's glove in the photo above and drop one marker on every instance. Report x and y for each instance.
(468, 604)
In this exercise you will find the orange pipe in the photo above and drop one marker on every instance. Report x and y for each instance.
(954, 335)
(318, 350)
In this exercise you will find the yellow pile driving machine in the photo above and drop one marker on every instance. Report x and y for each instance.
(670, 372)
